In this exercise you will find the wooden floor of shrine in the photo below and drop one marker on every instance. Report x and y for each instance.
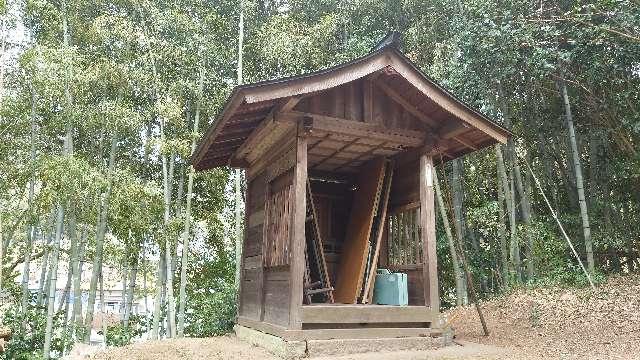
(355, 321)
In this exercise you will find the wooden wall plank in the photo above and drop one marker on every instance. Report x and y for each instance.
(250, 300)
(276, 296)
(250, 288)
(253, 241)
(415, 285)
(256, 218)
(405, 188)
(353, 104)
(367, 101)
(253, 262)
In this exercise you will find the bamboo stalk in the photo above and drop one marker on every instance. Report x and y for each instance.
(564, 233)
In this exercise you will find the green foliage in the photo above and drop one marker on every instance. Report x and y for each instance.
(27, 334)
(551, 251)
(120, 335)
(211, 311)
(569, 275)
(211, 302)
(68, 178)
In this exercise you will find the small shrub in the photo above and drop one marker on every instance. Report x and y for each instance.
(120, 335)
(212, 313)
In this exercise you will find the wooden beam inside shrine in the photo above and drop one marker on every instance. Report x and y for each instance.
(408, 138)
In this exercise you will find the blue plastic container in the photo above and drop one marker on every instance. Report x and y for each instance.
(390, 288)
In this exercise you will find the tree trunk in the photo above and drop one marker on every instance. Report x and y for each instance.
(461, 291)
(26, 267)
(144, 277)
(512, 163)
(164, 265)
(178, 214)
(157, 306)
(584, 214)
(47, 283)
(237, 178)
(515, 174)
(187, 215)
(1, 252)
(131, 289)
(515, 245)
(100, 234)
(60, 211)
(71, 233)
(3, 47)
(123, 293)
(44, 267)
(52, 281)
(168, 177)
(141, 262)
(30, 226)
(525, 211)
(503, 194)
(457, 194)
(103, 313)
(76, 317)
(527, 187)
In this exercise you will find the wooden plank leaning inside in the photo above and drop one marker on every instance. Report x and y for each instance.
(356, 242)
(376, 238)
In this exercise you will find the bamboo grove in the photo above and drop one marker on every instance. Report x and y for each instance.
(102, 102)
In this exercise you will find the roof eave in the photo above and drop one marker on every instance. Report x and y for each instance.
(376, 60)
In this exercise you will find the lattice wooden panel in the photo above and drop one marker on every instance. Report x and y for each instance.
(276, 227)
(405, 241)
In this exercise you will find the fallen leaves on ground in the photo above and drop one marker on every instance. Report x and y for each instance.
(559, 322)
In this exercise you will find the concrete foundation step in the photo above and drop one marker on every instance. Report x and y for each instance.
(288, 349)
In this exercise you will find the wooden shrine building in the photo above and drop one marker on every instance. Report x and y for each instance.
(338, 168)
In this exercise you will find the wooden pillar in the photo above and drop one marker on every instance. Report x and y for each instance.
(261, 269)
(297, 237)
(428, 233)
(245, 233)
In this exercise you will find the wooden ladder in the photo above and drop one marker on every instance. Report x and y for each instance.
(323, 284)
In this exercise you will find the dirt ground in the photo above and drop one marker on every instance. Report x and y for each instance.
(556, 323)
(230, 348)
(550, 323)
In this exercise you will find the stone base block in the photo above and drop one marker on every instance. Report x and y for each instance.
(316, 348)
